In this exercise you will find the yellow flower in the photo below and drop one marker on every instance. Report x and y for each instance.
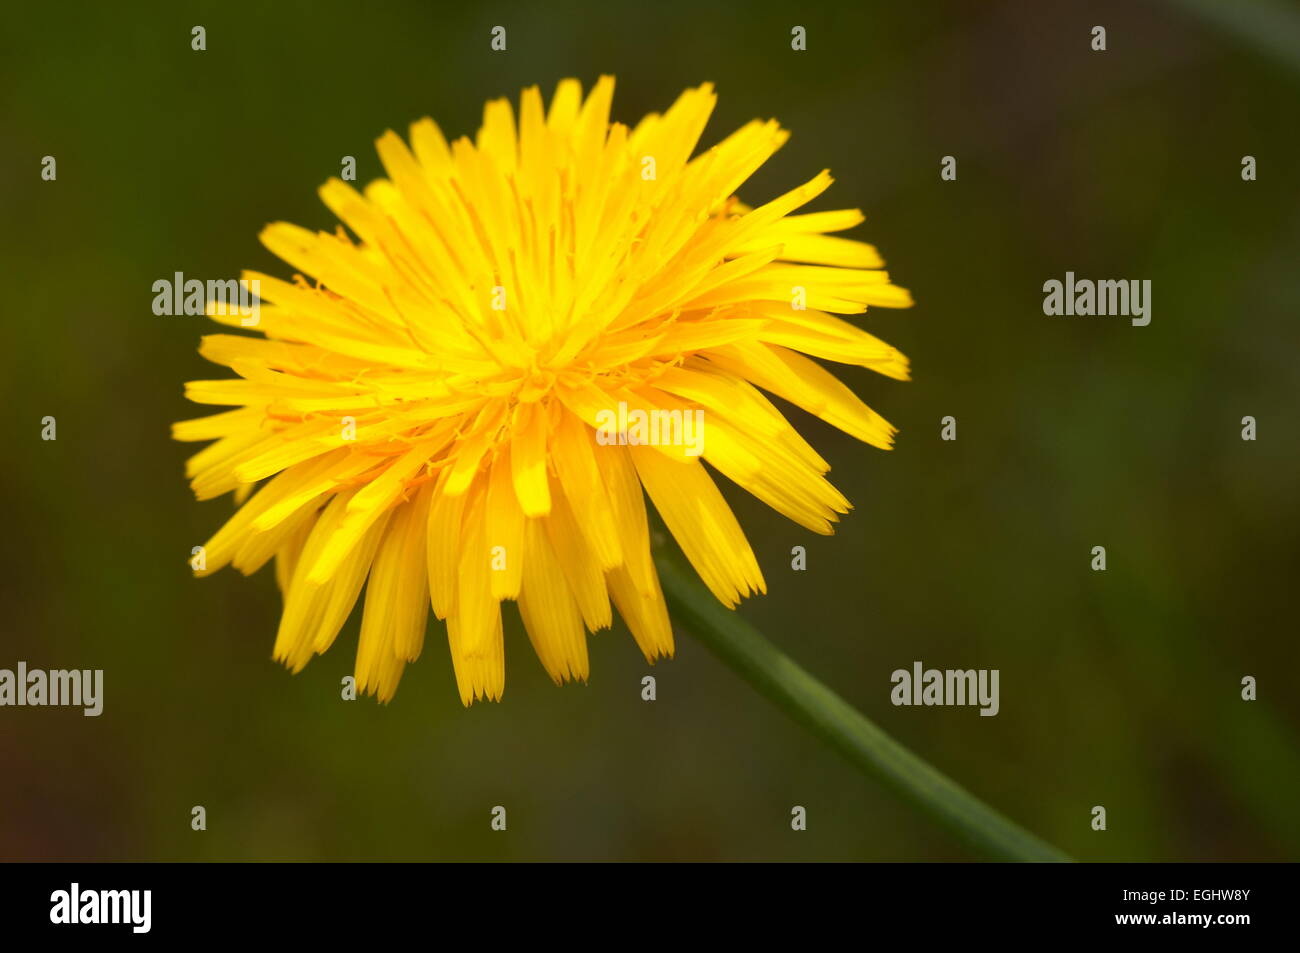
(455, 407)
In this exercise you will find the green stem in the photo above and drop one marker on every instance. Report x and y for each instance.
(751, 656)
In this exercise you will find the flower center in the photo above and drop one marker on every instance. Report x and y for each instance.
(535, 386)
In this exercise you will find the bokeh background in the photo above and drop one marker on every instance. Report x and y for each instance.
(1119, 688)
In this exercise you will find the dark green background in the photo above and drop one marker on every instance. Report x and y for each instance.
(1118, 688)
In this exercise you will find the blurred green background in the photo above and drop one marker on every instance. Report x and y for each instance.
(1119, 688)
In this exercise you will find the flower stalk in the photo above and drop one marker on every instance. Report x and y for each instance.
(828, 716)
